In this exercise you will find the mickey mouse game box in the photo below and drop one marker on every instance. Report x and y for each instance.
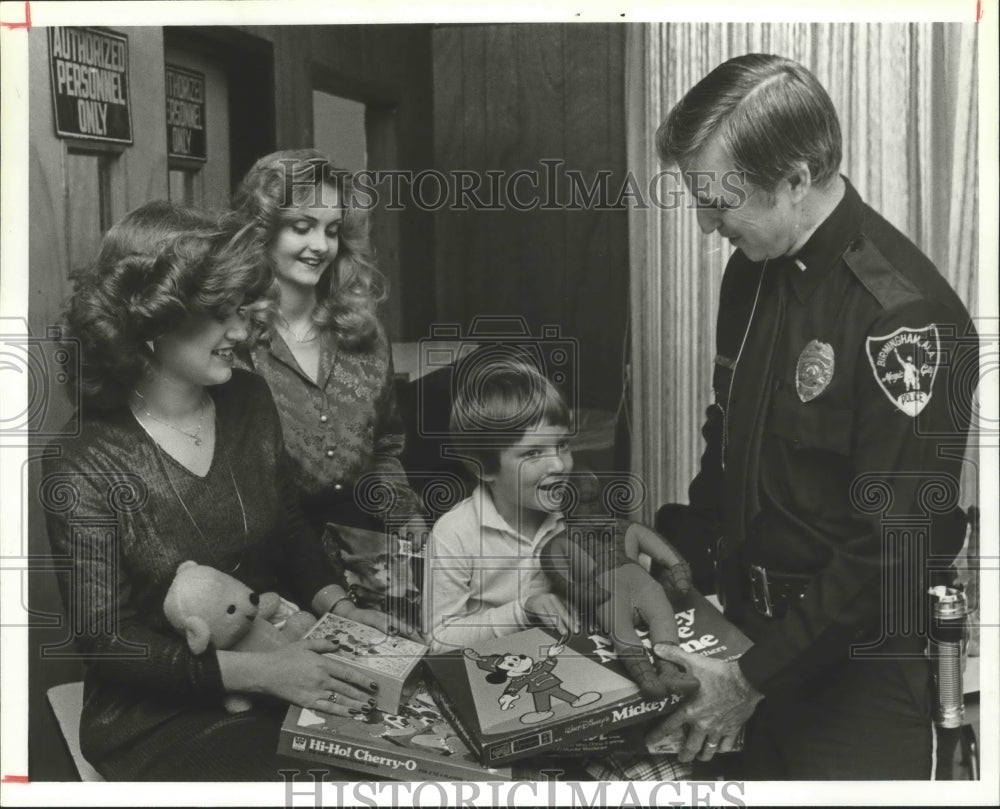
(533, 691)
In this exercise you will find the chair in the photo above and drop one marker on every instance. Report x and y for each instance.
(66, 701)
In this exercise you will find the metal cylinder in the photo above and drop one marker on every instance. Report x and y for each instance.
(949, 611)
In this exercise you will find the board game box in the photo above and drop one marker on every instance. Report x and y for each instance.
(389, 660)
(415, 744)
(531, 691)
(702, 629)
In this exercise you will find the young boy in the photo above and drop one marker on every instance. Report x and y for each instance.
(483, 578)
(484, 575)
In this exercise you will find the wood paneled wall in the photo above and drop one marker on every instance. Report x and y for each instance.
(387, 67)
(507, 97)
(142, 175)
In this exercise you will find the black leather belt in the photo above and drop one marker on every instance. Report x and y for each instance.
(772, 592)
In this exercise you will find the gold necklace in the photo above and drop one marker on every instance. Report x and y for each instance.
(196, 435)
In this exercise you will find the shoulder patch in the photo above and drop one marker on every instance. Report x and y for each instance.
(886, 284)
(905, 364)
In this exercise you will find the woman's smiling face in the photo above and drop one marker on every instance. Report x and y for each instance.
(200, 350)
(309, 239)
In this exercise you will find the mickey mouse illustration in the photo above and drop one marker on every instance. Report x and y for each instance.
(520, 672)
(350, 644)
(423, 727)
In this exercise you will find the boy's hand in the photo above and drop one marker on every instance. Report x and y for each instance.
(676, 571)
(416, 532)
(548, 609)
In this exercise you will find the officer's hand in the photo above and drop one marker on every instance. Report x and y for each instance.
(675, 571)
(714, 716)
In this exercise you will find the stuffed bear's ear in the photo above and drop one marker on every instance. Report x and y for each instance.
(171, 602)
(198, 634)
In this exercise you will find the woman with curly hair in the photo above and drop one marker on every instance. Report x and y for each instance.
(181, 457)
(327, 358)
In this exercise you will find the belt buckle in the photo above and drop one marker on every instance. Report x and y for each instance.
(760, 591)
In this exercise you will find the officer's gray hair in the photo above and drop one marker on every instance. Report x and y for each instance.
(771, 113)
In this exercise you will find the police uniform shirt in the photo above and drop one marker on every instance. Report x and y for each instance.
(843, 384)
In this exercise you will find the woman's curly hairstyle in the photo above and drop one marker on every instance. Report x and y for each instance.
(352, 286)
(159, 265)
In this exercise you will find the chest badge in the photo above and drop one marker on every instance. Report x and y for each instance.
(905, 364)
(814, 370)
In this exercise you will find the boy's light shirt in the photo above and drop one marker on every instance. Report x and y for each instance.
(472, 591)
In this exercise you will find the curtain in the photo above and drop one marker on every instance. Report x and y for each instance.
(907, 99)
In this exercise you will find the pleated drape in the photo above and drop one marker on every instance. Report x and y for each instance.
(906, 95)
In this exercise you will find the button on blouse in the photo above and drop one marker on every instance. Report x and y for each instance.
(345, 424)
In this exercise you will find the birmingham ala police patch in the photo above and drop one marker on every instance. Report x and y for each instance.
(905, 364)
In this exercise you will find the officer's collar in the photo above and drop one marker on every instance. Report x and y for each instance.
(827, 244)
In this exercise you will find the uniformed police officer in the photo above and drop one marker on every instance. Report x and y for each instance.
(829, 484)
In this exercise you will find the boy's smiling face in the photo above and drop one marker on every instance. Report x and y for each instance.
(527, 481)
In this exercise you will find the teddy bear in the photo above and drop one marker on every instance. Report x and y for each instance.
(210, 607)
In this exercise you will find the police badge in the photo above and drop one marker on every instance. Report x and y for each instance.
(905, 364)
(814, 370)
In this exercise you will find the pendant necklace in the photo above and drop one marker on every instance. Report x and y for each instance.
(196, 435)
(220, 447)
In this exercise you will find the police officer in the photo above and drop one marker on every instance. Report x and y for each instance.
(829, 484)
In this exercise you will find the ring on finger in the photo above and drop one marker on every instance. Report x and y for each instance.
(711, 745)
(334, 696)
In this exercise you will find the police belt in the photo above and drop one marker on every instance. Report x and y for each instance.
(772, 591)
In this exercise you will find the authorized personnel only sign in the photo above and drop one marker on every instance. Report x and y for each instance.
(185, 113)
(89, 73)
